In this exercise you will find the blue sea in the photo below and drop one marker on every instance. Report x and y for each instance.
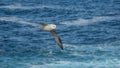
(89, 30)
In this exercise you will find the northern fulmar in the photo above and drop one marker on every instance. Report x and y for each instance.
(51, 28)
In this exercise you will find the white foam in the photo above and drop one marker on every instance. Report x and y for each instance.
(18, 20)
(19, 6)
(90, 21)
(72, 64)
(81, 50)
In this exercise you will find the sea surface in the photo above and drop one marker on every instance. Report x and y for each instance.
(89, 30)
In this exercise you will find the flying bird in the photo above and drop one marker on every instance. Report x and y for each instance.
(51, 28)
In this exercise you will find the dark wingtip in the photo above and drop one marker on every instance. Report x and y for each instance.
(62, 48)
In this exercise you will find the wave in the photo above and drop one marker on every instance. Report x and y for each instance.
(18, 20)
(111, 63)
(93, 20)
(19, 6)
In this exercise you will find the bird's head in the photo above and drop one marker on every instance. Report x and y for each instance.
(53, 26)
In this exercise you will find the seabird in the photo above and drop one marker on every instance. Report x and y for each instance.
(51, 28)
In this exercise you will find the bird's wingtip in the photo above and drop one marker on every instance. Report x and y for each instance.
(62, 48)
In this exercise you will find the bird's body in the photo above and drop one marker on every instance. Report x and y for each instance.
(51, 28)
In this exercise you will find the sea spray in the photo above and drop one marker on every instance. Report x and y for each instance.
(18, 20)
(82, 22)
(22, 7)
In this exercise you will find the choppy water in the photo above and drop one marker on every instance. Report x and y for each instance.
(89, 29)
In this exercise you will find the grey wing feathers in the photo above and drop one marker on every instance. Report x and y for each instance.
(57, 38)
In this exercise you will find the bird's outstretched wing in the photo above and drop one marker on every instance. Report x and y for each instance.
(57, 38)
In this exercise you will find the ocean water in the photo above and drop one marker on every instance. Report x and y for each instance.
(89, 30)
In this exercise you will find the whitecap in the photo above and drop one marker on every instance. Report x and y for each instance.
(16, 6)
(18, 20)
(23, 7)
(71, 64)
(82, 22)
